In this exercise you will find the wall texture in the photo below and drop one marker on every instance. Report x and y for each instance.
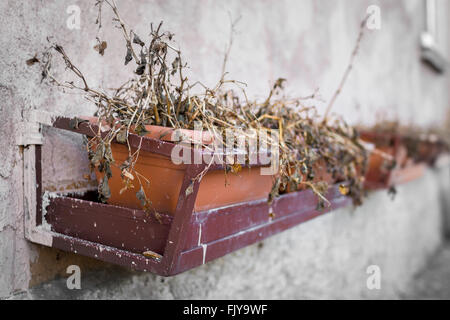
(306, 42)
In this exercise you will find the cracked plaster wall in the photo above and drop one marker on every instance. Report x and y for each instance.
(306, 42)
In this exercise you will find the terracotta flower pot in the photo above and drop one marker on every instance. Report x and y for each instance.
(166, 178)
(428, 150)
(381, 162)
(389, 163)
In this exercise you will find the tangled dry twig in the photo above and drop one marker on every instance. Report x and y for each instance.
(158, 93)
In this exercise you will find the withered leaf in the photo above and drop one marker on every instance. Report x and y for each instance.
(279, 83)
(127, 174)
(107, 168)
(141, 130)
(141, 197)
(125, 164)
(129, 56)
(175, 65)
(392, 192)
(123, 190)
(322, 187)
(274, 192)
(138, 41)
(59, 48)
(101, 47)
(344, 190)
(104, 191)
(96, 157)
(158, 216)
(153, 255)
(32, 61)
(143, 57)
(320, 205)
(236, 168)
(190, 189)
(121, 136)
(127, 185)
(140, 69)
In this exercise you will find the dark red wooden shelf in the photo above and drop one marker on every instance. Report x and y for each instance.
(178, 242)
(397, 177)
(120, 235)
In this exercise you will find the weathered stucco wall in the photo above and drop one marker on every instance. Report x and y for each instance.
(306, 42)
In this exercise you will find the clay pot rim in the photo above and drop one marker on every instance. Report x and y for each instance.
(169, 134)
(159, 132)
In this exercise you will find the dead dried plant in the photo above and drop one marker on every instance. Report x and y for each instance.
(158, 93)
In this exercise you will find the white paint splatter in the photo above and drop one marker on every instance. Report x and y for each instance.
(204, 246)
(199, 234)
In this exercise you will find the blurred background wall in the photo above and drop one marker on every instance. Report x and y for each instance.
(307, 42)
